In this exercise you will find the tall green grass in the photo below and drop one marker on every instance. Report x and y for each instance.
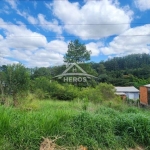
(97, 126)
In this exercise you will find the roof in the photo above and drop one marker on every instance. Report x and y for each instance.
(126, 89)
(148, 85)
(120, 93)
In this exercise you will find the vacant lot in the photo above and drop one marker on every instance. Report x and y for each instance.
(95, 126)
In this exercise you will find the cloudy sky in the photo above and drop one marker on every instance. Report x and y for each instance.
(36, 32)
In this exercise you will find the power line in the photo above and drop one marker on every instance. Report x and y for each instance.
(51, 0)
(84, 24)
(99, 36)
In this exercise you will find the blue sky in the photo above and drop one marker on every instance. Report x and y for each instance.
(36, 33)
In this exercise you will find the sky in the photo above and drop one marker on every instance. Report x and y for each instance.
(36, 33)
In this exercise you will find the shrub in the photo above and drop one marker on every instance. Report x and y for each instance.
(102, 92)
(40, 83)
(63, 92)
(107, 91)
(91, 94)
(40, 94)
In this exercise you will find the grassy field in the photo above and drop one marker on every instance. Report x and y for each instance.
(96, 126)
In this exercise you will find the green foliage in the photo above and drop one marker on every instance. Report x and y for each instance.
(16, 79)
(125, 71)
(25, 129)
(40, 83)
(134, 125)
(85, 104)
(43, 88)
(41, 72)
(103, 128)
(90, 130)
(63, 92)
(91, 94)
(76, 53)
(40, 94)
(107, 91)
(102, 92)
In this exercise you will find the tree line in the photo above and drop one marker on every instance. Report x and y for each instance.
(131, 70)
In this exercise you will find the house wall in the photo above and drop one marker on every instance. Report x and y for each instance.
(136, 96)
(133, 95)
(143, 95)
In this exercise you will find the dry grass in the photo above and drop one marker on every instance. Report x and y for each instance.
(49, 144)
(137, 148)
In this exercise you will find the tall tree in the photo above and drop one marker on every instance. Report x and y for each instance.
(2, 83)
(76, 53)
(16, 79)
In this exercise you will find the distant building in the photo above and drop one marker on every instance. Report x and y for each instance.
(145, 94)
(129, 92)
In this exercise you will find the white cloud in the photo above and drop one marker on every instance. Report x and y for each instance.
(12, 3)
(4, 61)
(49, 25)
(20, 44)
(20, 37)
(49, 5)
(57, 46)
(40, 19)
(94, 47)
(107, 18)
(22, 13)
(131, 41)
(32, 20)
(45, 58)
(142, 4)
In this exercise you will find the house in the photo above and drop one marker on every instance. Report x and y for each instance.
(145, 94)
(129, 92)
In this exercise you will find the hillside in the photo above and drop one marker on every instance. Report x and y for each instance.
(125, 71)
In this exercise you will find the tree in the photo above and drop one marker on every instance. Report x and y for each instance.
(17, 80)
(41, 72)
(76, 53)
(101, 69)
(2, 83)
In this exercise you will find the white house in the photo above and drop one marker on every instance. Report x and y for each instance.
(130, 91)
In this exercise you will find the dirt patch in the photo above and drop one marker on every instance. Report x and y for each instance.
(137, 148)
(49, 144)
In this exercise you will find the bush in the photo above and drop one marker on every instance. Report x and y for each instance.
(40, 83)
(63, 92)
(40, 94)
(102, 92)
(107, 91)
(91, 94)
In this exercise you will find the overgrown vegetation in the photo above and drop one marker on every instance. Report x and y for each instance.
(96, 127)
(91, 116)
